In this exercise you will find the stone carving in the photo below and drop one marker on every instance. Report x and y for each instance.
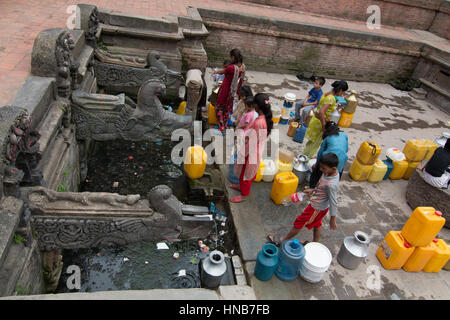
(20, 147)
(123, 59)
(66, 75)
(128, 79)
(41, 196)
(91, 33)
(107, 117)
(52, 266)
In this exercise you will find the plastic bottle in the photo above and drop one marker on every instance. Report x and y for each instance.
(293, 198)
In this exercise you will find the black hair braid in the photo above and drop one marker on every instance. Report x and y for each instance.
(262, 100)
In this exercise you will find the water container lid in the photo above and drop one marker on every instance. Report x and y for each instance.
(290, 96)
(317, 255)
(438, 213)
(406, 244)
(294, 248)
(435, 240)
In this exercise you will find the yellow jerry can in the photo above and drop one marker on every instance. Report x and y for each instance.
(368, 152)
(345, 120)
(415, 150)
(394, 251)
(260, 173)
(439, 258)
(284, 184)
(182, 108)
(360, 172)
(352, 102)
(378, 171)
(423, 226)
(399, 170)
(431, 147)
(419, 258)
(409, 171)
(212, 119)
(195, 162)
(292, 127)
(283, 166)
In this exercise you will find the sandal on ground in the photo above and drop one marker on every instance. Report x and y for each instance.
(235, 187)
(272, 240)
(304, 242)
(237, 199)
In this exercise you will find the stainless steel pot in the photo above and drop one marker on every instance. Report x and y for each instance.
(212, 269)
(353, 250)
(300, 164)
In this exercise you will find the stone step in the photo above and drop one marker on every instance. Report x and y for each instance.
(12, 268)
(10, 213)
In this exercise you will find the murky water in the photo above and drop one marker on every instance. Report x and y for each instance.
(136, 166)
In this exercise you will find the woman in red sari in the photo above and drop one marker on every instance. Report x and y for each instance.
(229, 89)
(253, 143)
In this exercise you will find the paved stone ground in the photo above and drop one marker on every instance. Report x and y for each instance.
(389, 117)
(22, 20)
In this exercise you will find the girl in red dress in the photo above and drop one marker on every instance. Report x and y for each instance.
(229, 89)
(253, 143)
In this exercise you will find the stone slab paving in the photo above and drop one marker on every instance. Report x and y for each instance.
(22, 20)
(373, 208)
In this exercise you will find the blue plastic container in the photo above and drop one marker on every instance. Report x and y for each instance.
(231, 176)
(300, 133)
(289, 260)
(390, 166)
(266, 262)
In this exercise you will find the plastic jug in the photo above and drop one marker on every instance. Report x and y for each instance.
(276, 114)
(182, 108)
(395, 154)
(284, 184)
(266, 262)
(368, 152)
(195, 162)
(270, 170)
(394, 251)
(286, 155)
(292, 127)
(399, 170)
(360, 172)
(212, 119)
(283, 166)
(439, 258)
(409, 171)
(300, 133)
(423, 226)
(289, 99)
(419, 258)
(352, 102)
(431, 147)
(390, 166)
(415, 150)
(260, 173)
(345, 120)
(378, 171)
(290, 258)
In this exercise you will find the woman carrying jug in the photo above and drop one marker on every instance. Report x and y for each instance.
(327, 105)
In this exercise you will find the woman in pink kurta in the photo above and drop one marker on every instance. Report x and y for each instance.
(253, 142)
(229, 89)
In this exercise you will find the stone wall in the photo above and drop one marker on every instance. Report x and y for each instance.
(441, 22)
(284, 46)
(412, 14)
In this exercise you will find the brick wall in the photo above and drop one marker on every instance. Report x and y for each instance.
(441, 23)
(413, 14)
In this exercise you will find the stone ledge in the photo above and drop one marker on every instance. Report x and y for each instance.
(10, 212)
(236, 293)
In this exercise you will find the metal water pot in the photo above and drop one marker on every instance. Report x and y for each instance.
(212, 269)
(353, 250)
(335, 116)
(300, 164)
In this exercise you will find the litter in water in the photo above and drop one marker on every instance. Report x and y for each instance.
(159, 143)
(146, 262)
(176, 255)
(126, 259)
(115, 184)
(182, 273)
(130, 157)
(161, 246)
(222, 232)
(223, 224)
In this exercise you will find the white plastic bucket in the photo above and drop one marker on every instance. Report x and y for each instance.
(270, 170)
(316, 262)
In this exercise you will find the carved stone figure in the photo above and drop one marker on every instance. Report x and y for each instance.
(66, 76)
(91, 33)
(123, 59)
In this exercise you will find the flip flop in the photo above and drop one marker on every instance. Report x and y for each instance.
(272, 240)
(237, 199)
(235, 187)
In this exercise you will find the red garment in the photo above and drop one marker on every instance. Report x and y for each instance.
(302, 219)
(245, 185)
(225, 99)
